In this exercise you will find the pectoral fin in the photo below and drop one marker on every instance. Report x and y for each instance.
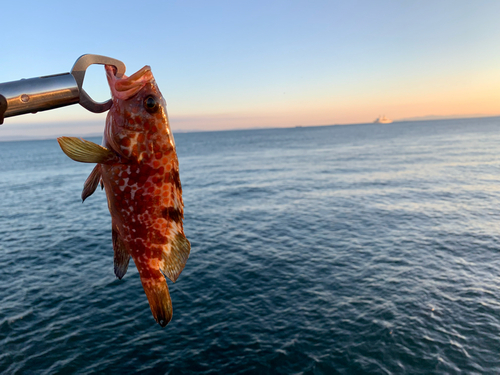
(86, 151)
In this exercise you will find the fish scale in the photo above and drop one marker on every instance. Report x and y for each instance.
(139, 170)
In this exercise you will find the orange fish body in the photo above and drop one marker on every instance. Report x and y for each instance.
(139, 170)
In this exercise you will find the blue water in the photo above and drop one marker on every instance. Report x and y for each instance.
(345, 249)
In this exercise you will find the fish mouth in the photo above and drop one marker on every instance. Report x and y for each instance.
(126, 87)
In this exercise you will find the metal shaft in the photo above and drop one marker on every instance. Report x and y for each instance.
(39, 94)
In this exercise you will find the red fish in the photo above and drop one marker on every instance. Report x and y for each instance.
(138, 168)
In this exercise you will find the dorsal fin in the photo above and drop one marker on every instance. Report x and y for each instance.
(174, 256)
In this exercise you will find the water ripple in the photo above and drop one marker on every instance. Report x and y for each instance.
(329, 250)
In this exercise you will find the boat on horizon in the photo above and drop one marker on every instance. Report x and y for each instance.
(382, 120)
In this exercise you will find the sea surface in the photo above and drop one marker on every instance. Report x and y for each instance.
(361, 249)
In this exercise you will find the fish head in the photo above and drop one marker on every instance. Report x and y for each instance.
(137, 125)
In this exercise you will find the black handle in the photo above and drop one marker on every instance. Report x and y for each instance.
(3, 107)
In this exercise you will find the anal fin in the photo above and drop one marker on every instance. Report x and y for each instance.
(121, 257)
(91, 182)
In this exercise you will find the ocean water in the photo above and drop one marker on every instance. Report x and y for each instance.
(326, 250)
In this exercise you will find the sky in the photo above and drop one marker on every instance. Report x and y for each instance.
(251, 64)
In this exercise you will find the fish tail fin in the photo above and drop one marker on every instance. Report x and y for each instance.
(156, 290)
(86, 151)
(174, 256)
(91, 182)
(121, 257)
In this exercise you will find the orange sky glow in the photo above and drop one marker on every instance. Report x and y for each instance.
(235, 65)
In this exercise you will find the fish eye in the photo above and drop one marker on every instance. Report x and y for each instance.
(150, 104)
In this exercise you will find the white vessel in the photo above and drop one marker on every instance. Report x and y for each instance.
(382, 120)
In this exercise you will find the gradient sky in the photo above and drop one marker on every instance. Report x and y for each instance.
(241, 64)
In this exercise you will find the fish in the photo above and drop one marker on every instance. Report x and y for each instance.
(138, 168)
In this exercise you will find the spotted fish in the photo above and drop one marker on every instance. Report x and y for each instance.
(137, 166)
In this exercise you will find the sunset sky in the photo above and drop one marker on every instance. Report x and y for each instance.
(244, 64)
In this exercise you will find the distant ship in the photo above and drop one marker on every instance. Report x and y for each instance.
(382, 120)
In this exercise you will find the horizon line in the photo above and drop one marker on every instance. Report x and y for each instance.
(21, 138)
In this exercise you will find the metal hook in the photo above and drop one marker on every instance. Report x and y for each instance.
(78, 71)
